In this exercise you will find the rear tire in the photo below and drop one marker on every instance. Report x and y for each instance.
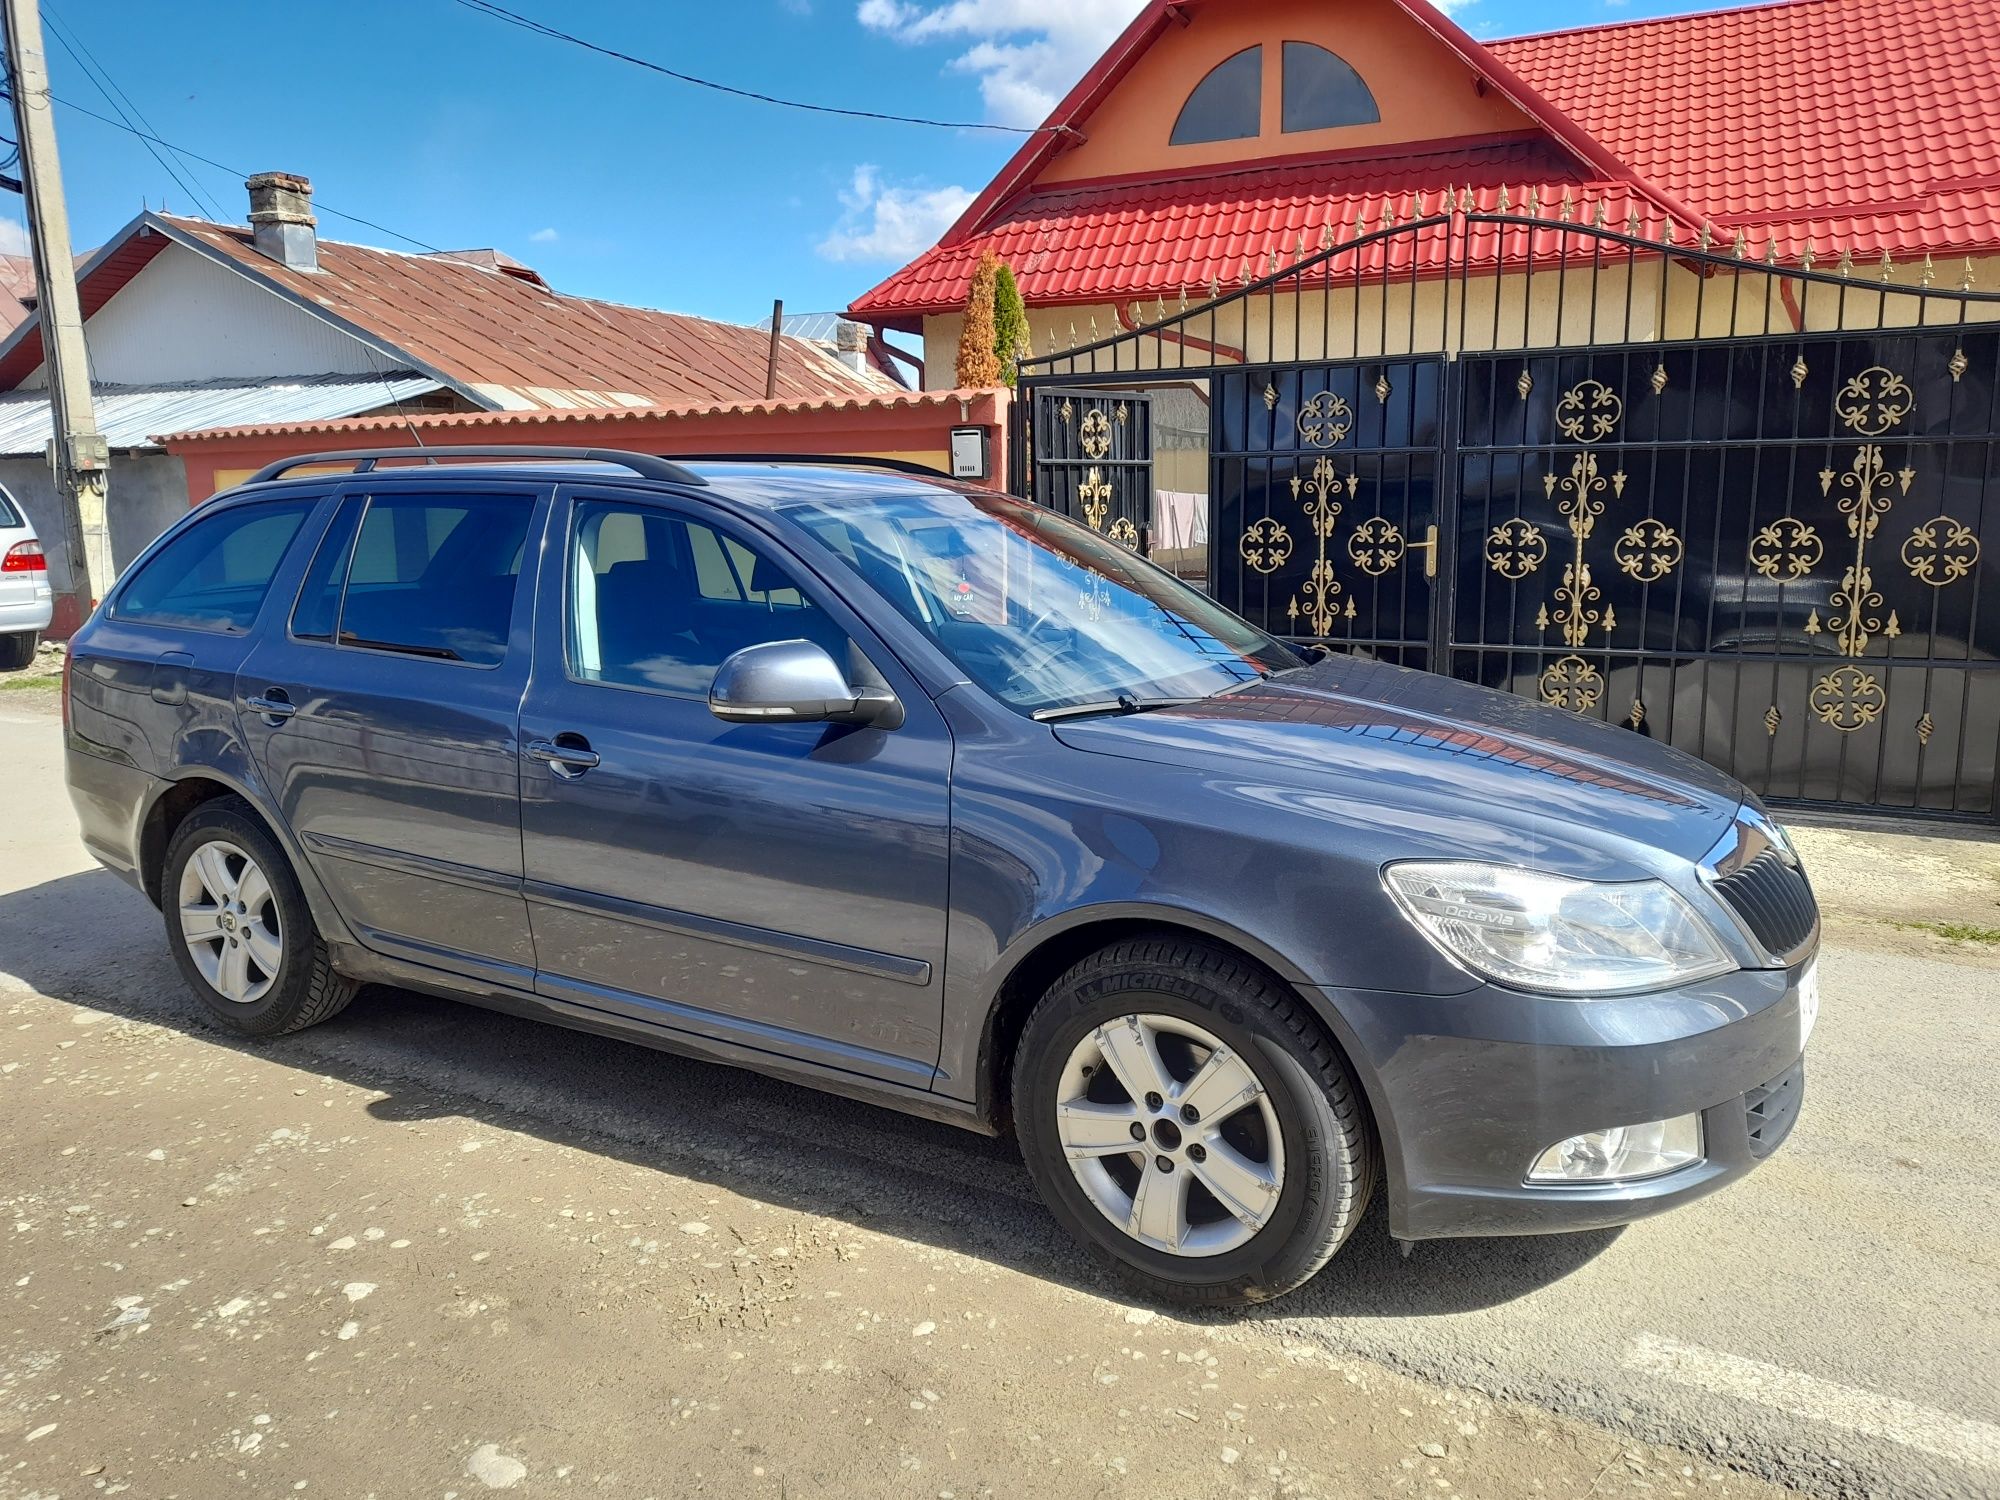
(240, 929)
(17, 652)
(1267, 1179)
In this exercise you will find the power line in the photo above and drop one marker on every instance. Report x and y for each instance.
(528, 23)
(209, 161)
(102, 80)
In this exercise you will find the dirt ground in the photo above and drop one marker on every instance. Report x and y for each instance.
(226, 1276)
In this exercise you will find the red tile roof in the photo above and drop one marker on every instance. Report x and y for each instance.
(1864, 124)
(485, 328)
(1108, 242)
(1868, 125)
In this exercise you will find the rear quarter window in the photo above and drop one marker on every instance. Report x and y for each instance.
(214, 575)
(10, 514)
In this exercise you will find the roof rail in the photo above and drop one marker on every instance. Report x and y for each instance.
(831, 460)
(646, 465)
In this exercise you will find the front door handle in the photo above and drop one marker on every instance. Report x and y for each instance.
(275, 704)
(1429, 547)
(567, 755)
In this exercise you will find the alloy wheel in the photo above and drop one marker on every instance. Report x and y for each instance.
(229, 921)
(1171, 1134)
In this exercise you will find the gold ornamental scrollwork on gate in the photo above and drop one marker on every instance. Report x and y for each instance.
(1870, 489)
(1318, 601)
(1572, 683)
(1095, 434)
(1589, 412)
(1787, 549)
(1848, 698)
(1515, 548)
(1874, 401)
(1266, 545)
(1941, 551)
(1095, 495)
(1649, 550)
(1376, 546)
(1646, 550)
(1325, 419)
(1125, 532)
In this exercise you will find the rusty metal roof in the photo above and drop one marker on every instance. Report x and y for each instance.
(483, 328)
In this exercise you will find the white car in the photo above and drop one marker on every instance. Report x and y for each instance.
(26, 600)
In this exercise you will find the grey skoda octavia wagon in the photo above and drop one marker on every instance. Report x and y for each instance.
(930, 796)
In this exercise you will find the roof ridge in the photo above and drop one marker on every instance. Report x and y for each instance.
(1633, 22)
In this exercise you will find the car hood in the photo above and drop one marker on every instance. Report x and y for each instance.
(1475, 770)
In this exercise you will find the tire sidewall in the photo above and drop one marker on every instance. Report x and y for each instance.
(1318, 1158)
(287, 995)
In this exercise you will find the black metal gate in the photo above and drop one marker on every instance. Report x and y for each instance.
(1738, 507)
(1094, 460)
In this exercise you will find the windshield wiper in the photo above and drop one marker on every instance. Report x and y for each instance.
(1124, 703)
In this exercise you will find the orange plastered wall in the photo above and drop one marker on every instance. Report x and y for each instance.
(1424, 91)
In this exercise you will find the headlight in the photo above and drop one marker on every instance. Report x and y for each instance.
(1560, 936)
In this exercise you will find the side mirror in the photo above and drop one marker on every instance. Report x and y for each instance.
(796, 682)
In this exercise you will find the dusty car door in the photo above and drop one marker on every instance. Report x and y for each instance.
(771, 886)
(383, 713)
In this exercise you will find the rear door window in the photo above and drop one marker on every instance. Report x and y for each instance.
(422, 574)
(214, 575)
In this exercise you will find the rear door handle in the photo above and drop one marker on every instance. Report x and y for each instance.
(567, 760)
(274, 704)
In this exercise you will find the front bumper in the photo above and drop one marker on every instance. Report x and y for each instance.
(1468, 1089)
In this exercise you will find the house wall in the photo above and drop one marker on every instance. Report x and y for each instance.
(184, 318)
(1423, 91)
(1621, 304)
(146, 493)
(898, 428)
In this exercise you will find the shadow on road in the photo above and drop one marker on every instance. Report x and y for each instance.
(90, 940)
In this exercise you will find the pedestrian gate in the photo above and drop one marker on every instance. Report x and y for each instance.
(1740, 508)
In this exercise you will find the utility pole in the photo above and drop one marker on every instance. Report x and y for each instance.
(77, 453)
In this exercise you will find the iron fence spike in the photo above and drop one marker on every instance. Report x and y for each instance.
(1929, 273)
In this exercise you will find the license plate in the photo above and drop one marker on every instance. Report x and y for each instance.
(1808, 1001)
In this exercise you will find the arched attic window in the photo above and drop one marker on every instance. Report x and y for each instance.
(1227, 105)
(1323, 91)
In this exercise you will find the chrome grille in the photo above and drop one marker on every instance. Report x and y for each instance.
(1772, 1109)
(1773, 899)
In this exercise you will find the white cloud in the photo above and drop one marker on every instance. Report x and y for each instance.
(879, 222)
(13, 237)
(1025, 53)
(544, 236)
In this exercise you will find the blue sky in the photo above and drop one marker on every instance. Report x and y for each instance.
(460, 131)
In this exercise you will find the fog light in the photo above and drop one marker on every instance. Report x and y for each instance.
(1624, 1153)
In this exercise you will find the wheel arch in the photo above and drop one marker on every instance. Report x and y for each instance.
(186, 794)
(1040, 956)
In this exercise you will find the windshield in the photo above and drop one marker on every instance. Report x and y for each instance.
(1044, 614)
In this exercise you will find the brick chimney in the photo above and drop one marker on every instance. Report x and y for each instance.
(281, 219)
(850, 342)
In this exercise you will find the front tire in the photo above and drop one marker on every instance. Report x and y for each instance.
(1185, 1117)
(240, 929)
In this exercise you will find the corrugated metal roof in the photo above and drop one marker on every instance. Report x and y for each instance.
(132, 416)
